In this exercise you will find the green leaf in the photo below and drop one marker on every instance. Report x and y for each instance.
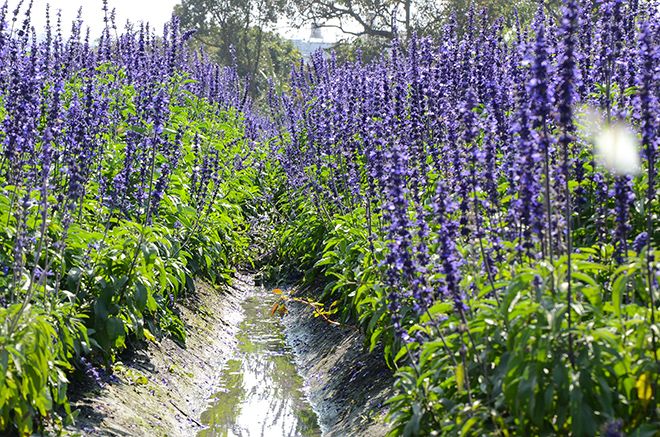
(115, 328)
(141, 295)
(617, 291)
(460, 376)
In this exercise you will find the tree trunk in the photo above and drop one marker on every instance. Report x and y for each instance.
(257, 59)
(408, 2)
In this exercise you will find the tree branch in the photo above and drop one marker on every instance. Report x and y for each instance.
(326, 11)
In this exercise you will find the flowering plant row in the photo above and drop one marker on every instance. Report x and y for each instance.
(485, 205)
(124, 170)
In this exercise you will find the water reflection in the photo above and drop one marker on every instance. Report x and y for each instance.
(261, 389)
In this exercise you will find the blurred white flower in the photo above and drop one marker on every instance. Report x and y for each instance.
(616, 144)
(617, 149)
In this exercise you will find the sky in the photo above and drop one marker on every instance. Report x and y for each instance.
(156, 12)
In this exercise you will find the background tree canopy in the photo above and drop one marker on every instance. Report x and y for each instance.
(242, 32)
(237, 32)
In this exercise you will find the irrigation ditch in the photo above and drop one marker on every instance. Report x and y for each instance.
(243, 371)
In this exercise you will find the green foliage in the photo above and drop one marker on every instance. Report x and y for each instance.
(36, 350)
(298, 239)
(522, 381)
(351, 265)
(114, 276)
(512, 364)
(335, 255)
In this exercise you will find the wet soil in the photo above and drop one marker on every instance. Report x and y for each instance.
(345, 383)
(162, 389)
(242, 372)
(261, 392)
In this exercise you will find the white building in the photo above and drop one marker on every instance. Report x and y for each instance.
(314, 42)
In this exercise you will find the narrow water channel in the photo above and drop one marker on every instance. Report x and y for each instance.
(261, 391)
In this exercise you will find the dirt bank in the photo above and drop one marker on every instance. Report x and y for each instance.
(162, 389)
(345, 384)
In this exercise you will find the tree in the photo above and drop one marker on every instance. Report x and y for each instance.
(358, 18)
(237, 32)
(377, 19)
(507, 9)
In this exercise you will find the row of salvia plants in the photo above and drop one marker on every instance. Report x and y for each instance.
(484, 205)
(126, 173)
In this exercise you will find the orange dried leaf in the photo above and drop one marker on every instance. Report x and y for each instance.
(277, 291)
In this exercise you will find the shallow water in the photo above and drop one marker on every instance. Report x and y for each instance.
(261, 390)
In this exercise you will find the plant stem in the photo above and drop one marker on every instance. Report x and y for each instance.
(481, 243)
(442, 338)
(569, 250)
(548, 203)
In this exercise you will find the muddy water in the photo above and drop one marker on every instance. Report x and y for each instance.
(261, 388)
